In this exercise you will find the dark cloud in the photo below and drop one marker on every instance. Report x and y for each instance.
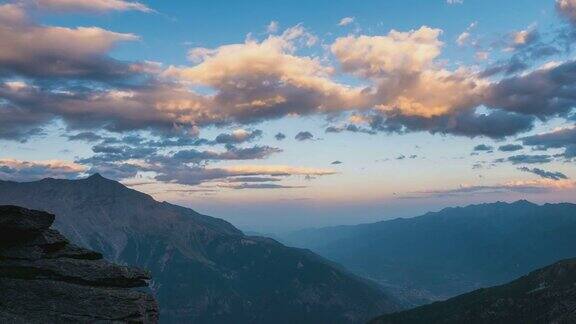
(545, 174)
(483, 147)
(86, 137)
(557, 139)
(280, 136)
(494, 124)
(304, 136)
(233, 153)
(510, 147)
(529, 159)
(336, 162)
(544, 93)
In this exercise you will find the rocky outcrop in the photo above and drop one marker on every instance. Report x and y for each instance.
(46, 279)
(547, 295)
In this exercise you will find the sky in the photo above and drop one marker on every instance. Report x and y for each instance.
(280, 115)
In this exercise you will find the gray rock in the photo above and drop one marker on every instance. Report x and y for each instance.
(45, 279)
(18, 223)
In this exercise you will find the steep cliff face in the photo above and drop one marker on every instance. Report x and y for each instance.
(204, 269)
(547, 295)
(46, 279)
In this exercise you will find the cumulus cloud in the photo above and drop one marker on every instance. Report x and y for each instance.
(18, 170)
(262, 80)
(280, 136)
(411, 90)
(545, 174)
(36, 50)
(92, 5)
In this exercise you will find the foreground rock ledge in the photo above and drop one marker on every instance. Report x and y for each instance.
(46, 279)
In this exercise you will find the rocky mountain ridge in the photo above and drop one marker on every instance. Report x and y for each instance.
(204, 269)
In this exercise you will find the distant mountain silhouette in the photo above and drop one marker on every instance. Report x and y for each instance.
(204, 269)
(443, 254)
(544, 296)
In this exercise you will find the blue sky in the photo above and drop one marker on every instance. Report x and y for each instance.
(421, 98)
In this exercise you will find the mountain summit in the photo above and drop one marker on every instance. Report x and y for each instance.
(204, 269)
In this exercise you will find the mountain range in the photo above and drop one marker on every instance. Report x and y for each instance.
(456, 250)
(204, 269)
(546, 295)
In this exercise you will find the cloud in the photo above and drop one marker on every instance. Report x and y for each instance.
(483, 147)
(233, 153)
(255, 81)
(304, 136)
(238, 136)
(532, 186)
(346, 21)
(280, 136)
(464, 37)
(194, 175)
(560, 138)
(529, 159)
(349, 128)
(545, 92)
(545, 174)
(18, 170)
(411, 91)
(523, 38)
(403, 85)
(92, 5)
(34, 50)
(253, 179)
(493, 123)
(567, 9)
(272, 27)
(258, 186)
(510, 147)
(336, 162)
(86, 137)
(454, 2)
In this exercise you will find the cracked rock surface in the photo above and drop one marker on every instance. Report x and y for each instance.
(46, 279)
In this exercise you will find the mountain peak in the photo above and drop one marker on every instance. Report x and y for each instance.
(96, 176)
